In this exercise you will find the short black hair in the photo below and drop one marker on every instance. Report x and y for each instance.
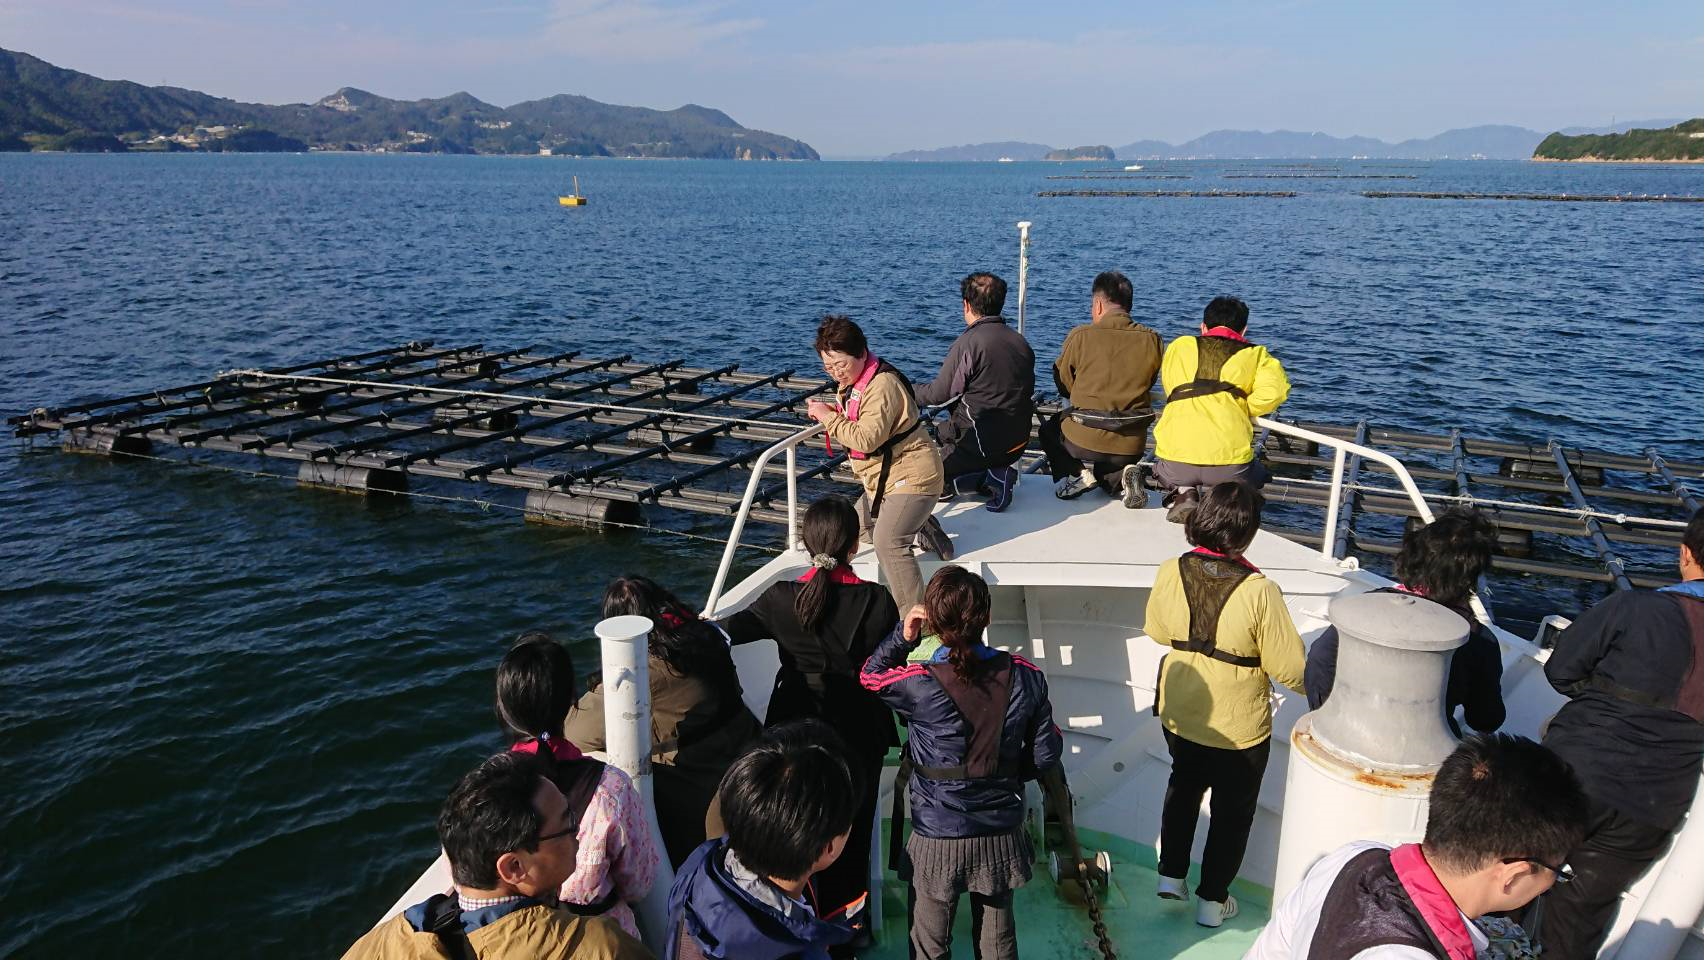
(1226, 312)
(839, 333)
(787, 798)
(535, 687)
(1500, 796)
(1444, 559)
(1226, 520)
(1115, 287)
(985, 293)
(489, 813)
(1693, 538)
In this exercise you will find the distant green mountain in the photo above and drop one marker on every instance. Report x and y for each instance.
(1683, 141)
(49, 107)
(1101, 152)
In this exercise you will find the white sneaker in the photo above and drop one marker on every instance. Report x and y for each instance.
(1173, 888)
(1071, 488)
(1211, 914)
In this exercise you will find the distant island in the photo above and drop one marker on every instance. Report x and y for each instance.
(1493, 142)
(44, 107)
(1681, 142)
(1082, 153)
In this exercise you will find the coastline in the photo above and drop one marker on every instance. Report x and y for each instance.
(1612, 160)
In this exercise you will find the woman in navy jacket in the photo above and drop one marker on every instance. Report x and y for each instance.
(980, 726)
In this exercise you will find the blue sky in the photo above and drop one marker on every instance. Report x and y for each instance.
(877, 76)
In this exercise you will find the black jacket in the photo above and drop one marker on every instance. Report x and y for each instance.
(1633, 726)
(989, 379)
(1475, 682)
(819, 672)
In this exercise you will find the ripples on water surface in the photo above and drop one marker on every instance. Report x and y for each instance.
(228, 710)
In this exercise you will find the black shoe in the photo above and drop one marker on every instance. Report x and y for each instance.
(934, 539)
(1183, 503)
(1135, 495)
(968, 483)
(1004, 480)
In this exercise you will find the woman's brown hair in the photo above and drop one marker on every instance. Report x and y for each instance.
(839, 334)
(959, 609)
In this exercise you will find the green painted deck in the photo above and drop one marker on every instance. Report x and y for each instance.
(1143, 926)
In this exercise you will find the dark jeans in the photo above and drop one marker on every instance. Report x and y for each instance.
(847, 879)
(1234, 777)
(1573, 918)
(963, 456)
(992, 933)
(1066, 459)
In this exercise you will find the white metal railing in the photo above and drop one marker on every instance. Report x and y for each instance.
(1341, 450)
(788, 446)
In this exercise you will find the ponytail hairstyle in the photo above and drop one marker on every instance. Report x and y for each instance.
(831, 537)
(1443, 560)
(679, 637)
(535, 690)
(958, 607)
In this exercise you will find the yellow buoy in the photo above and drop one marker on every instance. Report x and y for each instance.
(573, 199)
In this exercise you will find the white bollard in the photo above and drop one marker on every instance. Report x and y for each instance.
(1361, 767)
(627, 745)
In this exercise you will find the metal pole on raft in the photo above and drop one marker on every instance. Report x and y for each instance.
(1361, 766)
(1023, 268)
(627, 745)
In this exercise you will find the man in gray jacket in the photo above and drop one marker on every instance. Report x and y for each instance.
(988, 381)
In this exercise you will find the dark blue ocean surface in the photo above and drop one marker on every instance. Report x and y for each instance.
(229, 709)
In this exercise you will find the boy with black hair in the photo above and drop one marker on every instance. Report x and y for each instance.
(1633, 727)
(788, 807)
(510, 841)
(1215, 383)
(1504, 812)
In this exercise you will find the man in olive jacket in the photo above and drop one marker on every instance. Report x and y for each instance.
(1107, 369)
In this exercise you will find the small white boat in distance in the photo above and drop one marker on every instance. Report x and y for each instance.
(1134, 166)
(1005, 160)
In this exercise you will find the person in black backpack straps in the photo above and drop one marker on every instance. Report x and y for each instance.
(826, 623)
(1215, 384)
(617, 860)
(1442, 562)
(1106, 369)
(981, 725)
(988, 380)
(1502, 813)
(1632, 668)
(877, 421)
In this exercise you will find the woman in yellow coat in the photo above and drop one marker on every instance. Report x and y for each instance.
(1230, 638)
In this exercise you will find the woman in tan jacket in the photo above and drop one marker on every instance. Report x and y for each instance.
(876, 419)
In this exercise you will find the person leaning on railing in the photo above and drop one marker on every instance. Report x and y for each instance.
(1214, 384)
(877, 421)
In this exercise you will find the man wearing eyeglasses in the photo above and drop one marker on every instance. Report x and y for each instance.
(1504, 811)
(510, 840)
(1632, 668)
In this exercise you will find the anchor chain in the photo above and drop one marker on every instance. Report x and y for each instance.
(1102, 938)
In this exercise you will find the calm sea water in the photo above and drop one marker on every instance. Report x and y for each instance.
(228, 710)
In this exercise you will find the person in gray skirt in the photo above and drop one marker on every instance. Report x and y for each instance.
(980, 725)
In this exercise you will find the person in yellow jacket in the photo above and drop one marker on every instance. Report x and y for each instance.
(1214, 384)
(510, 839)
(1230, 638)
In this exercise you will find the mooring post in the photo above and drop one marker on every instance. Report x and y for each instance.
(627, 745)
(1368, 756)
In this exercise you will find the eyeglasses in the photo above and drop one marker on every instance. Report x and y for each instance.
(565, 831)
(1564, 873)
(835, 366)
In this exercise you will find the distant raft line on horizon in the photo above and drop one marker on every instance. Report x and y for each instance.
(1547, 197)
(1166, 193)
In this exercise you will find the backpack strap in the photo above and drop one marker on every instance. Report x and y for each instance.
(1212, 353)
(888, 446)
(981, 703)
(1208, 583)
(444, 920)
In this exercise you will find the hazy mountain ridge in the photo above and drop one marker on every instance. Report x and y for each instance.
(45, 106)
(1491, 141)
